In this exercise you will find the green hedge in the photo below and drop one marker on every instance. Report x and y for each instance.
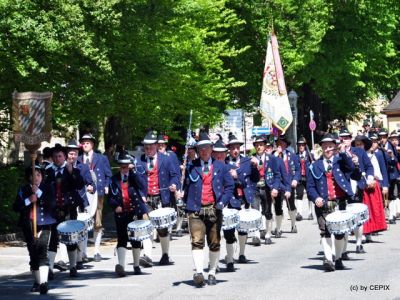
(10, 178)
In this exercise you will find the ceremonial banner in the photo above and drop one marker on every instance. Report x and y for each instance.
(32, 117)
(274, 104)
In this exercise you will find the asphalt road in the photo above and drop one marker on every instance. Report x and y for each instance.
(290, 268)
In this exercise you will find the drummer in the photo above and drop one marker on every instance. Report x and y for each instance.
(67, 182)
(245, 175)
(328, 187)
(72, 153)
(161, 179)
(209, 187)
(361, 178)
(125, 199)
(39, 192)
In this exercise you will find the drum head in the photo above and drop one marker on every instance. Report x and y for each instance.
(83, 216)
(164, 211)
(139, 224)
(249, 214)
(71, 226)
(226, 212)
(356, 208)
(339, 216)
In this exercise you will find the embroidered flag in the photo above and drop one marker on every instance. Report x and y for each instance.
(274, 103)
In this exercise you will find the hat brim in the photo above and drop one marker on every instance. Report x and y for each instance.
(235, 142)
(218, 149)
(204, 143)
(87, 139)
(149, 142)
(124, 161)
(327, 140)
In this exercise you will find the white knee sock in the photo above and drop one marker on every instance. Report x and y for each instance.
(292, 214)
(44, 273)
(63, 253)
(255, 234)
(136, 256)
(148, 248)
(164, 241)
(213, 258)
(358, 232)
(345, 241)
(80, 252)
(279, 223)
(264, 221)
(121, 252)
(52, 257)
(299, 205)
(97, 240)
(327, 246)
(84, 246)
(179, 221)
(229, 252)
(392, 209)
(198, 260)
(242, 244)
(339, 244)
(310, 207)
(268, 224)
(72, 256)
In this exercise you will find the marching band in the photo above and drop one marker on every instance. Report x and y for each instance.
(352, 185)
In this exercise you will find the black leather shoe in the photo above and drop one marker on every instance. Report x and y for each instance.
(345, 256)
(61, 266)
(50, 276)
(230, 267)
(256, 241)
(328, 266)
(212, 280)
(164, 261)
(137, 271)
(73, 272)
(278, 234)
(145, 261)
(79, 265)
(268, 241)
(119, 270)
(299, 217)
(242, 259)
(97, 257)
(43, 288)
(339, 264)
(198, 279)
(35, 287)
(360, 249)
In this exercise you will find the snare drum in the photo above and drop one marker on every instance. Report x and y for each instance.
(360, 211)
(249, 220)
(71, 232)
(340, 222)
(140, 230)
(230, 218)
(87, 219)
(163, 217)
